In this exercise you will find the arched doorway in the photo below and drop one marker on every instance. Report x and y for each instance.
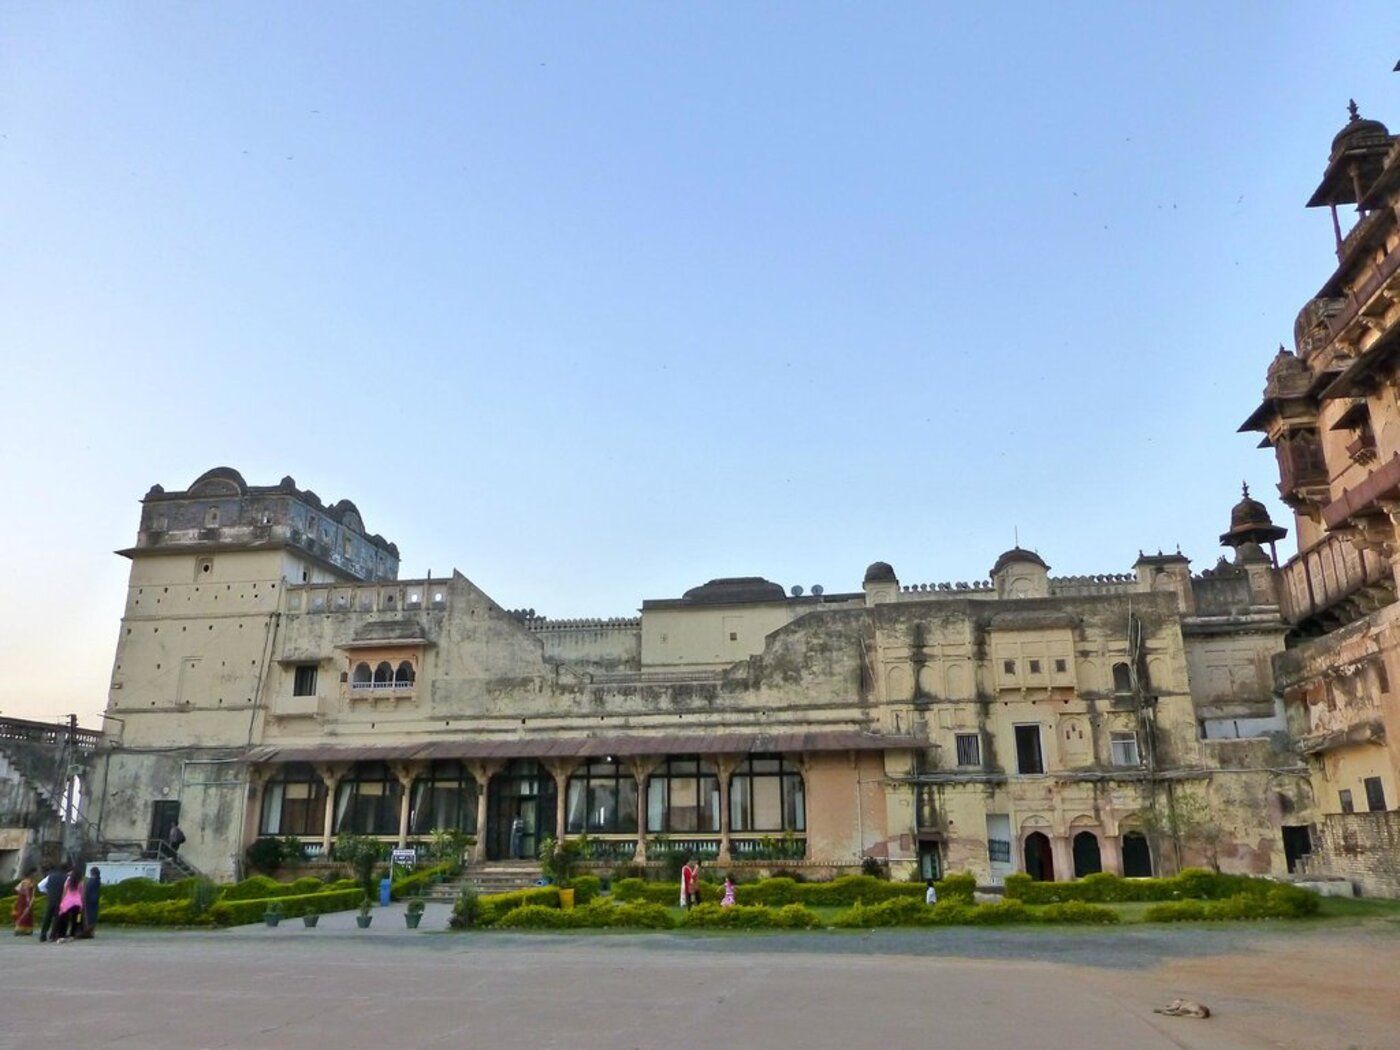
(1086, 855)
(1040, 864)
(524, 791)
(1137, 857)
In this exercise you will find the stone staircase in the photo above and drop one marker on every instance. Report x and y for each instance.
(493, 876)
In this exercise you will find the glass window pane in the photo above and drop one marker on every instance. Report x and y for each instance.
(767, 803)
(577, 806)
(794, 804)
(656, 804)
(602, 805)
(681, 813)
(740, 810)
(272, 809)
(626, 806)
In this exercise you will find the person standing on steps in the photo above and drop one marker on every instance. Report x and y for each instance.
(177, 838)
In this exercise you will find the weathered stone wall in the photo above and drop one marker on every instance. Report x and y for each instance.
(1362, 847)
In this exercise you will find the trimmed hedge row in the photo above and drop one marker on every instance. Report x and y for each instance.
(496, 906)
(846, 890)
(905, 912)
(242, 912)
(152, 913)
(1189, 884)
(414, 885)
(141, 891)
(260, 887)
(751, 917)
(586, 887)
(597, 914)
(1280, 902)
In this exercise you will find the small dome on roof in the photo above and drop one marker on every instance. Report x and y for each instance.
(1250, 522)
(1249, 511)
(1358, 131)
(733, 590)
(1018, 554)
(880, 572)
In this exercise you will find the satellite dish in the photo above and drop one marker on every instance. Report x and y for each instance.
(818, 589)
(797, 590)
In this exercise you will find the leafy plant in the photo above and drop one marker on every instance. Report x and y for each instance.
(416, 906)
(449, 846)
(466, 912)
(362, 853)
(265, 854)
(874, 867)
(366, 907)
(273, 910)
(559, 860)
(203, 894)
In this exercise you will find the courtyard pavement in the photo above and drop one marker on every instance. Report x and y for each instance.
(1330, 985)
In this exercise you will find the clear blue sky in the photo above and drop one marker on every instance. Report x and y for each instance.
(595, 302)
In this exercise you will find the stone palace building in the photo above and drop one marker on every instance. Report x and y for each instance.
(273, 676)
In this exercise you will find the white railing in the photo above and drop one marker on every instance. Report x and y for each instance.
(382, 685)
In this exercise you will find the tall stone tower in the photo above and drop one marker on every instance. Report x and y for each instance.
(208, 571)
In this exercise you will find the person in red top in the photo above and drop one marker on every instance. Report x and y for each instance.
(690, 883)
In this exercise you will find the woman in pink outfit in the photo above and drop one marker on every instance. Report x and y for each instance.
(728, 901)
(70, 907)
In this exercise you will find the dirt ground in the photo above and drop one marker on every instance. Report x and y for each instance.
(1331, 985)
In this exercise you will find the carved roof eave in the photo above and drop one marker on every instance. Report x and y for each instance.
(388, 643)
(1371, 731)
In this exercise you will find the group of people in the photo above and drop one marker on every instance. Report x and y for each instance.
(690, 885)
(71, 903)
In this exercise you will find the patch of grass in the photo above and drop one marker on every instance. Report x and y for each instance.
(1358, 907)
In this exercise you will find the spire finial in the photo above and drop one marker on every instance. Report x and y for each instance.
(1351, 108)
(1016, 535)
(1244, 486)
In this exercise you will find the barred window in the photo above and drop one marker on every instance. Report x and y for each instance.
(969, 749)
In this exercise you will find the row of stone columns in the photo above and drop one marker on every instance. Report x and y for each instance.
(561, 770)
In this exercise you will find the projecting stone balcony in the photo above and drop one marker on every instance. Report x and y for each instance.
(1333, 583)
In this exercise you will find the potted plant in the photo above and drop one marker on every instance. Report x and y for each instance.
(273, 915)
(363, 919)
(311, 916)
(557, 863)
(414, 915)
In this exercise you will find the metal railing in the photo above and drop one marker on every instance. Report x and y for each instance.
(401, 684)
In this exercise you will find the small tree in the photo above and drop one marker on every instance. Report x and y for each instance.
(362, 853)
(559, 860)
(265, 855)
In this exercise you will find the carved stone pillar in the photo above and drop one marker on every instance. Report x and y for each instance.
(406, 773)
(726, 765)
(1111, 854)
(481, 772)
(330, 776)
(641, 772)
(560, 769)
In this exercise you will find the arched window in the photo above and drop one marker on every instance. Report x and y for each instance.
(1040, 863)
(368, 801)
(602, 799)
(362, 676)
(1137, 857)
(443, 797)
(383, 673)
(1086, 854)
(766, 793)
(404, 674)
(1122, 678)
(683, 796)
(294, 802)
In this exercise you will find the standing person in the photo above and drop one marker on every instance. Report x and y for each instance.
(690, 882)
(70, 906)
(24, 905)
(53, 896)
(728, 901)
(517, 838)
(92, 896)
(177, 838)
(931, 894)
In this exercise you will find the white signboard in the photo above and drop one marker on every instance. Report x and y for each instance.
(407, 857)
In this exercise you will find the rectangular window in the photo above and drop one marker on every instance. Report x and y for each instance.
(1008, 666)
(1375, 794)
(999, 851)
(1382, 679)
(1028, 756)
(969, 749)
(1125, 749)
(1035, 667)
(1344, 797)
(1060, 667)
(304, 684)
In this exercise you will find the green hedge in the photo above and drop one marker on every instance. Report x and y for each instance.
(416, 884)
(260, 887)
(846, 890)
(1189, 884)
(146, 891)
(901, 911)
(751, 917)
(243, 912)
(7, 910)
(598, 914)
(586, 887)
(496, 906)
(1279, 902)
(151, 913)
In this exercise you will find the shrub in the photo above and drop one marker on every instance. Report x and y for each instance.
(362, 853)
(874, 867)
(642, 915)
(897, 911)
(750, 917)
(784, 873)
(1176, 911)
(768, 891)
(466, 912)
(586, 887)
(152, 913)
(242, 912)
(134, 891)
(958, 886)
(255, 887)
(265, 854)
(999, 913)
(495, 906)
(1189, 884)
(629, 871)
(533, 917)
(202, 896)
(416, 883)
(665, 893)
(596, 915)
(1077, 912)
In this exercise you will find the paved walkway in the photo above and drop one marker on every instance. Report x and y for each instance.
(337, 986)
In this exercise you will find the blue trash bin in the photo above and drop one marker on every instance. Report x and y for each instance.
(385, 889)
